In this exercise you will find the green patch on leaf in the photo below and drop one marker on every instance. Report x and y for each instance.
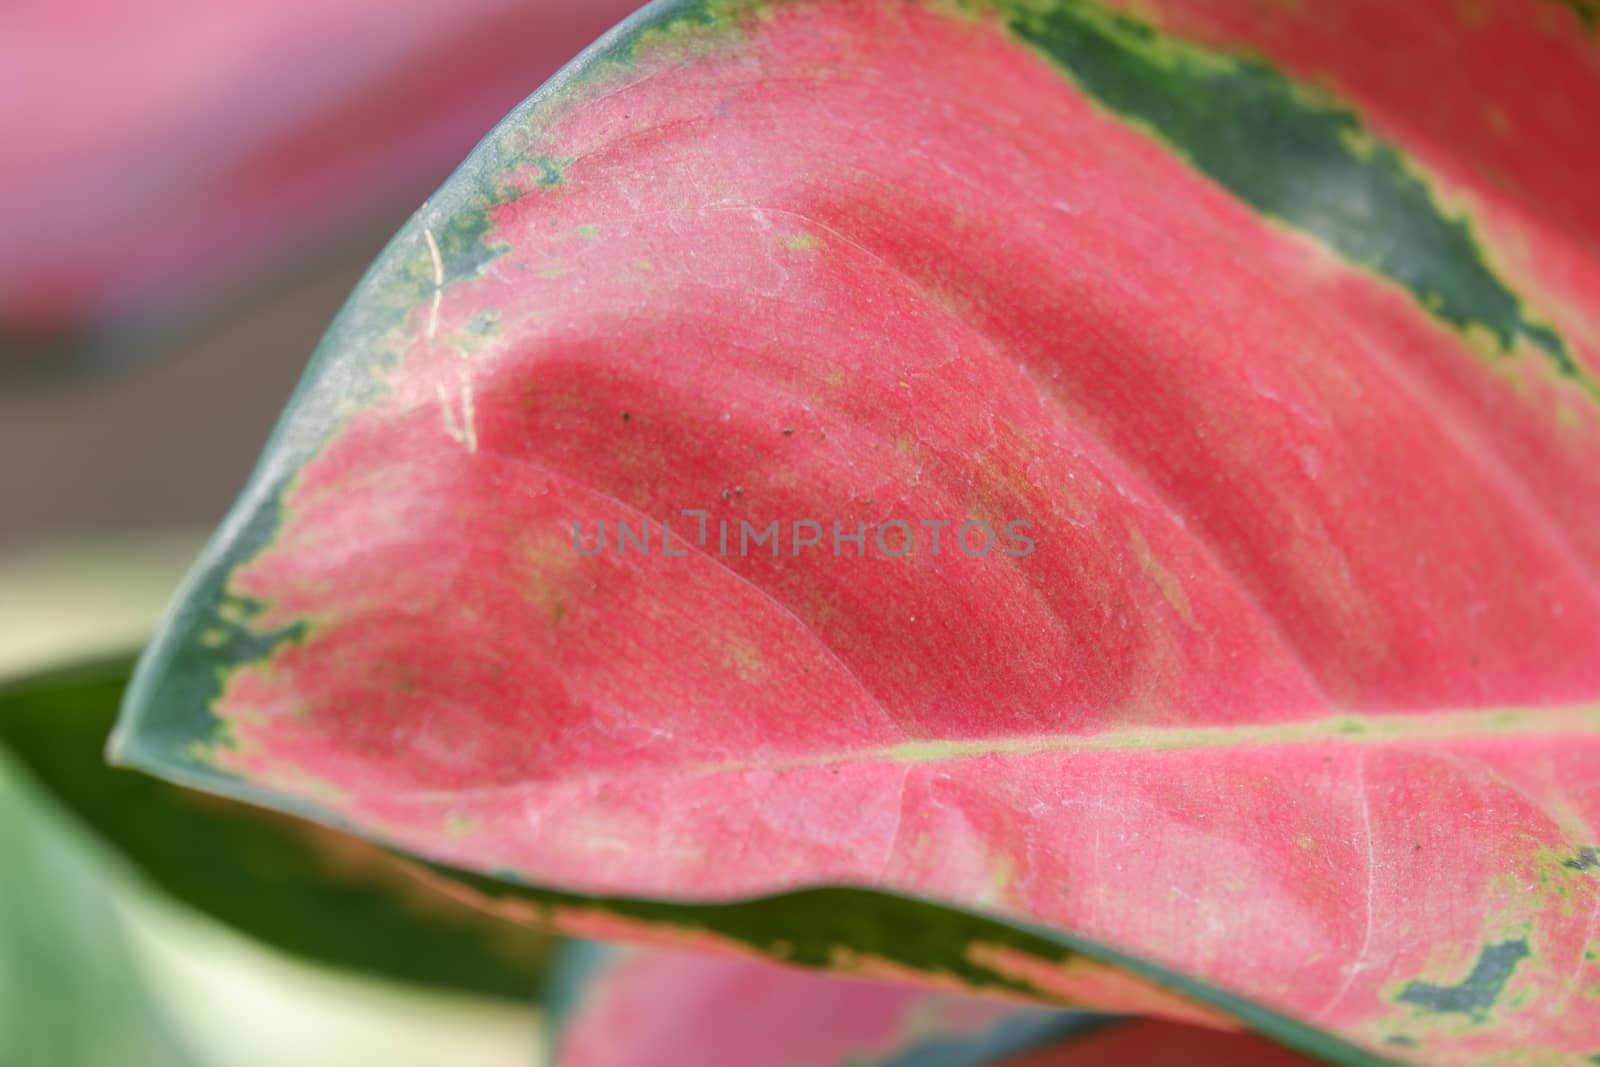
(552, 172)
(683, 18)
(219, 637)
(1477, 993)
(1587, 12)
(1587, 859)
(454, 247)
(1294, 154)
(665, 30)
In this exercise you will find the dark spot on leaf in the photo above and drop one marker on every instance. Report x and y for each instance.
(551, 171)
(1477, 993)
(1587, 859)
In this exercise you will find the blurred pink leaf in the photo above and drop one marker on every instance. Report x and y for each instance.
(159, 151)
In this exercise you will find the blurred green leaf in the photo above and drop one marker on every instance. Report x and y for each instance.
(299, 887)
(70, 995)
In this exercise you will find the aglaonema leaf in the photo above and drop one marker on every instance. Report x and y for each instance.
(629, 1008)
(1249, 380)
(634, 1008)
(317, 894)
(1158, 1042)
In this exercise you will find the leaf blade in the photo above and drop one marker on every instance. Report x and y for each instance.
(299, 888)
(651, 291)
(645, 1006)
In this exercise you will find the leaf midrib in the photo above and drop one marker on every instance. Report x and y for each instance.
(1579, 721)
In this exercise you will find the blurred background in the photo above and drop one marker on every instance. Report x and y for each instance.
(188, 190)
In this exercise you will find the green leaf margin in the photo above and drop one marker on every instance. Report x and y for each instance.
(293, 885)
